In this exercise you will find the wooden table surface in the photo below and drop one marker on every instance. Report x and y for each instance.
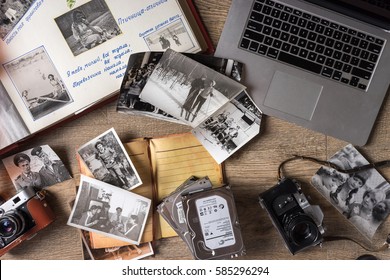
(249, 171)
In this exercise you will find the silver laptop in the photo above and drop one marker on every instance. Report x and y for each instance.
(324, 65)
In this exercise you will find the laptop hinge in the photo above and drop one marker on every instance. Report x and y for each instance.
(353, 11)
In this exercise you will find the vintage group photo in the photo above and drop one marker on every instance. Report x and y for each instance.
(362, 197)
(38, 167)
(230, 128)
(109, 162)
(187, 90)
(106, 209)
(38, 83)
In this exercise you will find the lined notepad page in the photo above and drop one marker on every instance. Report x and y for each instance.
(176, 158)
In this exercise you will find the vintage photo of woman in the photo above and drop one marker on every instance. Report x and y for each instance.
(88, 26)
(109, 162)
(38, 82)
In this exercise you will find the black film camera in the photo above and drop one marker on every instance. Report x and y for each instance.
(298, 222)
(21, 217)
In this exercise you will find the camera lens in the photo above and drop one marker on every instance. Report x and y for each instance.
(7, 227)
(301, 229)
(11, 225)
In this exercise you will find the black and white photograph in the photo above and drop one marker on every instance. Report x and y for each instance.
(188, 90)
(88, 26)
(12, 126)
(109, 162)
(38, 83)
(38, 167)
(11, 13)
(231, 127)
(108, 210)
(363, 197)
(174, 36)
(139, 69)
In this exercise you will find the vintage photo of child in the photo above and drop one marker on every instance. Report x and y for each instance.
(88, 26)
(38, 83)
(231, 127)
(114, 212)
(362, 197)
(188, 90)
(38, 167)
(174, 36)
(109, 162)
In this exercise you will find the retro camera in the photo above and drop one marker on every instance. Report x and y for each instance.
(298, 222)
(21, 217)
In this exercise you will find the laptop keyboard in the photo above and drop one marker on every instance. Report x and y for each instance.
(312, 43)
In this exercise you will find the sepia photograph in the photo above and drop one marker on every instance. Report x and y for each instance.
(127, 252)
(38, 83)
(88, 26)
(188, 90)
(108, 210)
(38, 167)
(11, 13)
(230, 128)
(109, 162)
(174, 36)
(362, 197)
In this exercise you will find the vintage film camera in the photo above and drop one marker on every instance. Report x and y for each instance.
(21, 217)
(298, 222)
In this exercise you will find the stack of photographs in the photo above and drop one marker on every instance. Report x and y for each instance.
(197, 90)
(205, 218)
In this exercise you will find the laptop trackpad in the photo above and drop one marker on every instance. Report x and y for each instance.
(293, 95)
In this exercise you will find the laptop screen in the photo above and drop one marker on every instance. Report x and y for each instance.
(376, 12)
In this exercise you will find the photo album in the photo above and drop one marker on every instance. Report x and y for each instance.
(79, 55)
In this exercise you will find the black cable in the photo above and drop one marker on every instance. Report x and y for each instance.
(332, 165)
(384, 247)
